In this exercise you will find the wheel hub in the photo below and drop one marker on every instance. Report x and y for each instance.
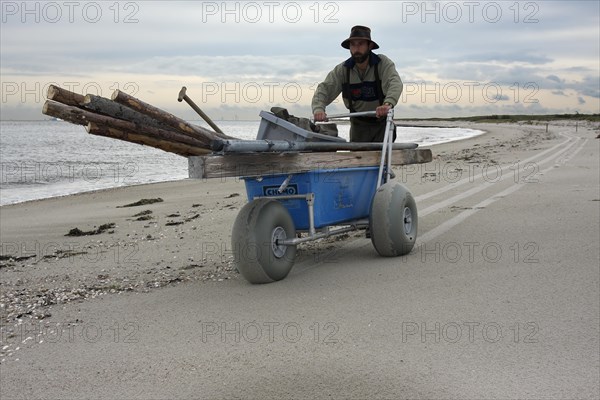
(278, 236)
(407, 217)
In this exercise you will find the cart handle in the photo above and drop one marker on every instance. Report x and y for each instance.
(386, 150)
(354, 114)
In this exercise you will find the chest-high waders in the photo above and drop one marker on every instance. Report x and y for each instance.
(366, 129)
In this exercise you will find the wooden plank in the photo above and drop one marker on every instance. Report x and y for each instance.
(257, 164)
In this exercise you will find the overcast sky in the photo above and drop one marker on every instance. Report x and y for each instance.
(456, 58)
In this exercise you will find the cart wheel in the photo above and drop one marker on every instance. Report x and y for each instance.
(257, 228)
(393, 220)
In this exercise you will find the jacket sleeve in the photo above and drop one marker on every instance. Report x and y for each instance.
(328, 90)
(390, 81)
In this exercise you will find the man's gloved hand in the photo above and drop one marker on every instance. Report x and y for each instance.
(320, 116)
(382, 110)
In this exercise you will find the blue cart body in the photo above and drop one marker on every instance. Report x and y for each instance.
(341, 195)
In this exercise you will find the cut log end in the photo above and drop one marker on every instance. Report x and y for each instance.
(115, 94)
(64, 96)
(128, 118)
(52, 92)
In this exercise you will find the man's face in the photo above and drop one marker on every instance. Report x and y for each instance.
(359, 49)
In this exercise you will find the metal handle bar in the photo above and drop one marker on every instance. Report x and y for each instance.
(354, 114)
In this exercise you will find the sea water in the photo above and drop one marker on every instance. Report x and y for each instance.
(41, 159)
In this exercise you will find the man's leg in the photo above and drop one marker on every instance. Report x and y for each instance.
(359, 131)
(367, 131)
(380, 133)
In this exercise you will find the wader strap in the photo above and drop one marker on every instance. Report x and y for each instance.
(347, 93)
(379, 87)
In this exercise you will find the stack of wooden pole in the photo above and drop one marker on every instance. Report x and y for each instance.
(126, 118)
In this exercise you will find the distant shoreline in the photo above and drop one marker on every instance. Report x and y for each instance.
(474, 118)
(513, 118)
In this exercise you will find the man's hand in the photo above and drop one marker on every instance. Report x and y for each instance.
(320, 116)
(382, 111)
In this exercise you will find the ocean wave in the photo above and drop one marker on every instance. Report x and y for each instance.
(42, 159)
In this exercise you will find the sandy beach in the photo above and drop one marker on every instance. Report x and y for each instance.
(500, 297)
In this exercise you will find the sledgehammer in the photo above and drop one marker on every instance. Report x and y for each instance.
(183, 96)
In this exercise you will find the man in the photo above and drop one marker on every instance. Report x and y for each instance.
(367, 81)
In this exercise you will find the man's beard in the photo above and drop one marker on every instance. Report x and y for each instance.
(360, 58)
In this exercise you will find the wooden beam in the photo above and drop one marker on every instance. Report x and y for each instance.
(134, 137)
(108, 107)
(64, 96)
(68, 113)
(256, 164)
(169, 119)
(82, 117)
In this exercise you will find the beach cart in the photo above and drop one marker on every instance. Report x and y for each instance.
(286, 209)
(301, 185)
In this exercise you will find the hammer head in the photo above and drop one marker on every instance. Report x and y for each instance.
(181, 94)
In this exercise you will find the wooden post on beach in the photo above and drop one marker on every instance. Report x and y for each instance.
(130, 118)
(108, 107)
(70, 114)
(159, 136)
(180, 148)
(546, 127)
(576, 126)
(64, 96)
(166, 118)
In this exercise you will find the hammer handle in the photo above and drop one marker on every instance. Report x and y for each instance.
(202, 114)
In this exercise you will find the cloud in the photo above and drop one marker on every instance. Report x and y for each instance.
(589, 86)
(294, 68)
(552, 45)
(524, 56)
(554, 78)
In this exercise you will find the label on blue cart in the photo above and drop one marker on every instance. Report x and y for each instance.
(274, 190)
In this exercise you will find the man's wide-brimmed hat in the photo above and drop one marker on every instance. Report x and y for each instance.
(359, 32)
